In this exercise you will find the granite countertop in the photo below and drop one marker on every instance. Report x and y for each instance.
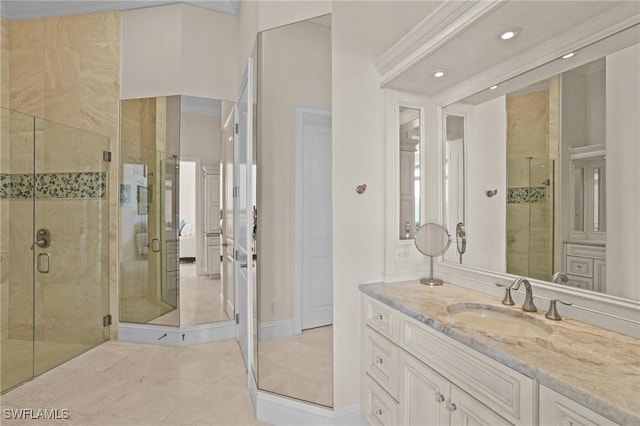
(597, 368)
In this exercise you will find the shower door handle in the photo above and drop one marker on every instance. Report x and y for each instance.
(44, 262)
(155, 245)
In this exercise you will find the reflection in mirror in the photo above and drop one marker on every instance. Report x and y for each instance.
(454, 196)
(409, 144)
(552, 146)
(295, 262)
(170, 226)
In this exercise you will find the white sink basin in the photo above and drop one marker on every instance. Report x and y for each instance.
(500, 321)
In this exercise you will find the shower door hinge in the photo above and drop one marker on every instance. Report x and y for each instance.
(106, 320)
(106, 156)
(237, 318)
(236, 192)
(237, 128)
(235, 255)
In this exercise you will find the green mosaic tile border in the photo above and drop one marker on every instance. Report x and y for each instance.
(527, 195)
(85, 185)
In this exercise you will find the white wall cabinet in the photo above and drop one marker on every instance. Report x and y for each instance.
(414, 375)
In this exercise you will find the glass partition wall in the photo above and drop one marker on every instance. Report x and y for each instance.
(54, 244)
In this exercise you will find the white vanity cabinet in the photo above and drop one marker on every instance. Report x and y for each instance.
(586, 266)
(558, 410)
(416, 376)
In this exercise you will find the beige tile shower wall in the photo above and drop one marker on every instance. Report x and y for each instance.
(529, 233)
(67, 69)
(4, 63)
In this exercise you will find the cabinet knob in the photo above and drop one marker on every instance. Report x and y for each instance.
(379, 317)
(439, 398)
(379, 361)
(451, 407)
(379, 412)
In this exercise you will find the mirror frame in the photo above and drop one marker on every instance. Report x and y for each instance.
(603, 310)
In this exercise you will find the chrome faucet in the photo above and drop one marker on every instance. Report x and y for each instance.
(561, 276)
(528, 305)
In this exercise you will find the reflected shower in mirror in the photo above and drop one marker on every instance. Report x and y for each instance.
(295, 262)
(170, 210)
(538, 178)
(409, 134)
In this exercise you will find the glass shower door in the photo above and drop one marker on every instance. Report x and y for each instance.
(70, 243)
(16, 256)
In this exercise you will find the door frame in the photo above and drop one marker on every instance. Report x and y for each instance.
(300, 110)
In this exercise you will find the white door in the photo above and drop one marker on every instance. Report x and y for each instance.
(313, 202)
(242, 210)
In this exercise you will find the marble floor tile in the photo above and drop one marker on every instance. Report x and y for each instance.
(120, 383)
(300, 367)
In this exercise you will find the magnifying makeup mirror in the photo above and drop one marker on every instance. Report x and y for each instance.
(432, 240)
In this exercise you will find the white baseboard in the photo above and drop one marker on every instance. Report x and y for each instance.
(185, 335)
(276, 330)
(280, 411)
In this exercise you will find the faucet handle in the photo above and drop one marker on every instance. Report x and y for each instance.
(552, 313)
(507, 295)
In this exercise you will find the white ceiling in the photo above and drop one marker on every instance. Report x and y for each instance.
(479, 48)
(28, 9)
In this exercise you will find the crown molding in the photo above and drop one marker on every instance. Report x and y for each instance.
(441, 26)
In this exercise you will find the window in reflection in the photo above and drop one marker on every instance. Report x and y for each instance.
(409, 144)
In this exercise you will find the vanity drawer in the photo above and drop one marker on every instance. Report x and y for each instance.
(580, 266)
(381, 361)
(379, 408)
(580, 282)
(507, 392)
(581, 250)
(381, 318)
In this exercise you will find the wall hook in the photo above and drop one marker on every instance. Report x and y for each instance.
(361, 188)
(490, 193)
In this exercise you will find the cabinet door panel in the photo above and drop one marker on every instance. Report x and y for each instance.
(423, 393)
(558, 410)
(467, 411)
(380, 409)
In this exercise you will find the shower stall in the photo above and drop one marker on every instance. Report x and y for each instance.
(530, 217)
(54, 244)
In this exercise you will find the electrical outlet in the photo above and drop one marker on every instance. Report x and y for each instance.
(402, 254)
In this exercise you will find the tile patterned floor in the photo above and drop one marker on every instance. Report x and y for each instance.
(300, 366)
(121, 383)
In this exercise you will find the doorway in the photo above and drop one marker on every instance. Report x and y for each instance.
(314, 241)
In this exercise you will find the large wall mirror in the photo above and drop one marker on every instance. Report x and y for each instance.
(295, 262)
(170, 201)
(539, 171)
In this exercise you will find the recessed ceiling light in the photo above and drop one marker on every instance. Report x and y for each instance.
(568, 55)
(510, 34)
(438, 74)
(494, 87)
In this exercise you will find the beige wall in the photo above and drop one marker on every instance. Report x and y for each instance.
(179, 49)
(358, 220)
(295, 70)
(66, 69)
(200, 138)
(623, 181)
